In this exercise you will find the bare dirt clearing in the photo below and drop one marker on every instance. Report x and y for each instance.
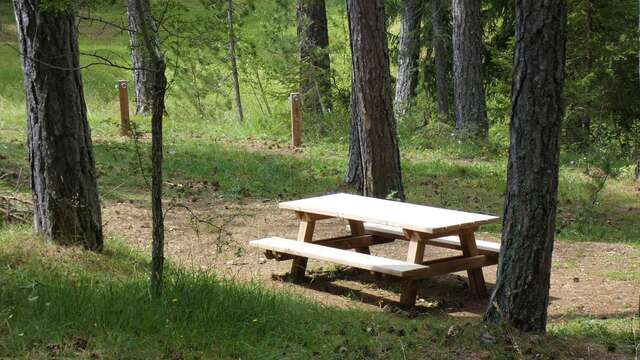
(594, 279)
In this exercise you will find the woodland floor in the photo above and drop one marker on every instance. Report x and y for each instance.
(596, 279)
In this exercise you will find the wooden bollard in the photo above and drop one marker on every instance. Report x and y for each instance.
(123, 92)
(295, 120)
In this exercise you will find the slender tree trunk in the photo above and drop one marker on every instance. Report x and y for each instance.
(638, 162)
(66, 207)
(140, 60)
(232, 58)
(441, 39)
(521, 294)
(315, 70)
(374, 159)
(409, 50)
(148, 38)
(470, 110)
(584, 136)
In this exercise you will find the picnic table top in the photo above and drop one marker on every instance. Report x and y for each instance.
(421, 218)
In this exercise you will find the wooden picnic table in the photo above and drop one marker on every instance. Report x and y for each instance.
(376, 221)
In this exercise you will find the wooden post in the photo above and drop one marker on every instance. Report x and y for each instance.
(295, 120)
(123, 92)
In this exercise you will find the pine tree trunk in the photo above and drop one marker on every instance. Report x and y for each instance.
(232, 58)
(374, 160)
(521, 294)
(315, 70)
(408, 52)
(441, 39)
(470, 110)
(140, 59)
(148, 36)
(66, 208)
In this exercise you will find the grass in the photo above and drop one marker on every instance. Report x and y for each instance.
(64, 302)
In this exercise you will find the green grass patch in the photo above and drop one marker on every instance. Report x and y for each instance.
(68, 303)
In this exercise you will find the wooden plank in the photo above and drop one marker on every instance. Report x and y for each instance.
(415, 255)
(338, 256)
(343, 242)
(357, 228)
(419, 218)
(310, 216)
(476, 278)
(299, 264)
(450, 242)
(455, 264)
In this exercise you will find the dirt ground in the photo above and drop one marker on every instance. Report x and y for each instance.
(587, 278)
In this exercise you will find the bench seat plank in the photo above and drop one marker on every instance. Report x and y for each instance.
(342, 257)
(447, 241)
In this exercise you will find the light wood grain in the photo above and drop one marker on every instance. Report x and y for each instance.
(452, 242)
(343, 257)
(420, 218)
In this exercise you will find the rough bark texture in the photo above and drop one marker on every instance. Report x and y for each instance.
(315, 70)
(408, 52)
(441, 41)
(470, 110)
(233, 60)
(374, 159)
(140, 58)
(521, 295)
(66, 207)
(149, 39)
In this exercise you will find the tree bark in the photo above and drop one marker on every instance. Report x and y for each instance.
(140, 59)
(470, 109)
(66, 207)
(521, 294)
(315, 70)
(441, 39)
(149, 39)
(409, 50)
(232, 59)
(374, 159)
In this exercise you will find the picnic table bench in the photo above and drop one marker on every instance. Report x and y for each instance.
(376, 221)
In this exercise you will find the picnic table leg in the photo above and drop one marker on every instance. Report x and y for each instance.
(476, 278)
(357, 229)
(414, 255)
(299, 265)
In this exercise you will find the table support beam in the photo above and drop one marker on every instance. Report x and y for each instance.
(476, 278)
(299, 265)
(415, 255)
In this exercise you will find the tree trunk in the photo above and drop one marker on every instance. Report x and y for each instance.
(470, 110)
(140, 60)
(374, 159)
(66, 208)
(149, 39)
(409, 50)
(638, 162)
(232, 58)
(441, 39)
(521, 294)
(315, 70)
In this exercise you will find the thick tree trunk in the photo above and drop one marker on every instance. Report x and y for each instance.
(374, 159)
(66, 208)
(441, 41)
(140, 59)
(149, 39)
(232, 58)
(315, 70)
(408, 52)
(470, 109)
(521, 295)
